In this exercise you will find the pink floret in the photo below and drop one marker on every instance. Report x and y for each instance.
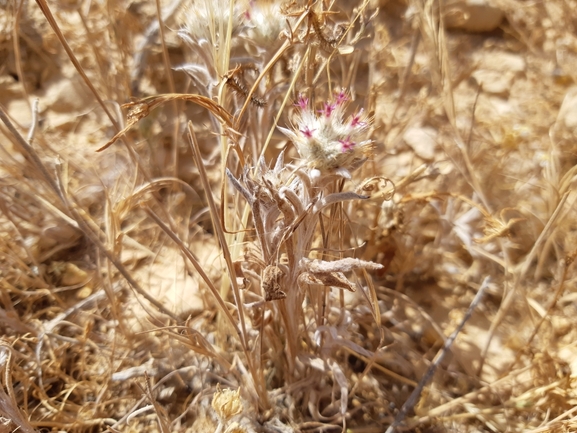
(347, 144)
(342, 98)
(302, 102)
(328, 109)
(307, 132)
(356, 121)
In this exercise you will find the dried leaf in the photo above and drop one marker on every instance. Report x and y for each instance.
(271, 283)
(343, 265)
(335, 279)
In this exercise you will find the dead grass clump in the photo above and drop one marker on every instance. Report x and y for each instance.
(256, 216)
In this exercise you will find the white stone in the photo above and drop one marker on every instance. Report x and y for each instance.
(494, 82)
(472, 15)
(423, 140)
(568, 111)
(502, 61)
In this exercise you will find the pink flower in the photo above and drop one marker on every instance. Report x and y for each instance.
(302, 102)
(342, 98)
(328, 109)
(307, 132)
(347, 144)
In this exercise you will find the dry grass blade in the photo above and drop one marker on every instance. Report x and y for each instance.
(141, 109)
(219, 229)
(83, 224)
(50, 18)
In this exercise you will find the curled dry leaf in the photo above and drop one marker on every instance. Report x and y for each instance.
(271, 283)
(377, 188)
(334, 279)
(138, 110)
(343, 265)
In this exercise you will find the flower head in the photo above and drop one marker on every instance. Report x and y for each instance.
(327, 139)
(204, 18)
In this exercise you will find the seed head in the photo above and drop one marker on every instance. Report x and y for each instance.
(264, 22)
(204, 19)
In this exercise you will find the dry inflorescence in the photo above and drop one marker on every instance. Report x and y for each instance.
(288, 216)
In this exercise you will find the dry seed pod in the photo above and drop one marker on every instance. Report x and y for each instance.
(271, 278)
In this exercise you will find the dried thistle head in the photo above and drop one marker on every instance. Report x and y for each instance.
(264, 22)
(254, 29)
(207, 19)
(328, 139)
(227, 403)
(205, 30)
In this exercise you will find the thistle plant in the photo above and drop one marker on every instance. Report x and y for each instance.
(288, 277)
(287, 205)
(285, 279)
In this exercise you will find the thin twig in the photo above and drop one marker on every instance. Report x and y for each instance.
(34, 125)
(141, 52)
(16, 43)
(405, 80)
(410, 403)
(218, 229)
(30, 153)
(559, 291)
(521, 271)
(171, 87)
